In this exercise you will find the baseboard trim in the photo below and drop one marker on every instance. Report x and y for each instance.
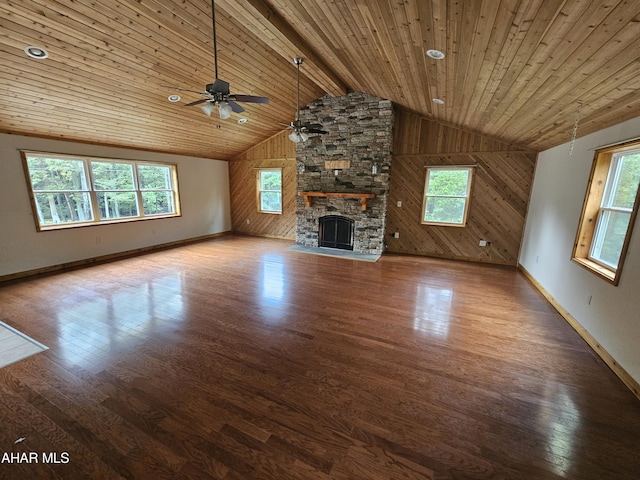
(486, 261)
(606, 357)
(106, 258)
(263, 235)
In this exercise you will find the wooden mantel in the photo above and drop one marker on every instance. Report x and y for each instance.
(362, 196)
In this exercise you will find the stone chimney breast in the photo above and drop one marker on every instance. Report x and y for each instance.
(360, 136)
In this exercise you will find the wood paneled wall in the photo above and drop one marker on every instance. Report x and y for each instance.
(276, 152)
(499, 196)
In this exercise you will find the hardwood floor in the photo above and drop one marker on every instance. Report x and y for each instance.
(238, 359)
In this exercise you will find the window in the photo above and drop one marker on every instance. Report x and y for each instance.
(115, 189)
(270, 190)
(69, 191)
(609, 210)
(446, 195)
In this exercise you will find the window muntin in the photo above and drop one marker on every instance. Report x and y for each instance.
(70, 191)
(609, 210)
(446, 195)
(270, 190)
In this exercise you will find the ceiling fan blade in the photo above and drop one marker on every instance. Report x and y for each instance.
(312, 128)
(197, 102)
(219, 86)
(235, 107)
(249, 98)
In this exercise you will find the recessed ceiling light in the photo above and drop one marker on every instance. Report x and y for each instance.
(242, 121)
(36, 52)
(439, 101)
(173, 98)
(435, 54)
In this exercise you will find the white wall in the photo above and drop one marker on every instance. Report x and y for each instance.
(204, 199)
(613, 317)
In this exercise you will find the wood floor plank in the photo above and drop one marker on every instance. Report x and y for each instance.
(236, 358)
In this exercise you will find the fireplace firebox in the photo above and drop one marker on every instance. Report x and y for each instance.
(336, 231)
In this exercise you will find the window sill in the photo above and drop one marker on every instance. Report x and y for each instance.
(443, 224)
(610, 276)
(67, 226)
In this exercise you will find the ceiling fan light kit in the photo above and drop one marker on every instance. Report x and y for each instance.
(224, 110)
(298, 137)
(208, 108)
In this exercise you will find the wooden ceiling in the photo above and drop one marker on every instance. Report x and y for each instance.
(514, 69)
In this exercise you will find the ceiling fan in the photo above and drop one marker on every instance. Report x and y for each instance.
(301, 130)
(217, 94)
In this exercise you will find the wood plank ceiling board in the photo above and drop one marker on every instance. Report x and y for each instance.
(515, 70)
(582, 60)
(543, 57)
(108, 62)
(287, 42)
(331, 41)
(481, 37)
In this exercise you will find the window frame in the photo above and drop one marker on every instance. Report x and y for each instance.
(260, 191)
(467, 197)
(88, 174)
(597, 190)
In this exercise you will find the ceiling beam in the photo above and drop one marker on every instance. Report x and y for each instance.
(274, 31)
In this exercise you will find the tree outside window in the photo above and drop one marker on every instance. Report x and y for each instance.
(270, 190)
(446, 195)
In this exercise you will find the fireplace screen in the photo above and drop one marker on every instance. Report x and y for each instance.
(336, 232)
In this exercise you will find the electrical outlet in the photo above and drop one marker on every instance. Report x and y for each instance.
(396, 235)
(248, 221)
(483, 243)
(399, 204)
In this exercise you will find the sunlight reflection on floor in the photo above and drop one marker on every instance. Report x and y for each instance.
(432, 313)
(105, 323)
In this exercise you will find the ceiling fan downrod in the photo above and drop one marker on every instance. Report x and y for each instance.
(215, 43)
(298, 62)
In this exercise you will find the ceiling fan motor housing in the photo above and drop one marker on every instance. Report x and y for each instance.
(218, 89)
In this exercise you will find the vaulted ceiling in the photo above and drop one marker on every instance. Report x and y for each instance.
(518, 70)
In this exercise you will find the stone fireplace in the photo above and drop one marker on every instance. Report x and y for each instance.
(346, 172)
